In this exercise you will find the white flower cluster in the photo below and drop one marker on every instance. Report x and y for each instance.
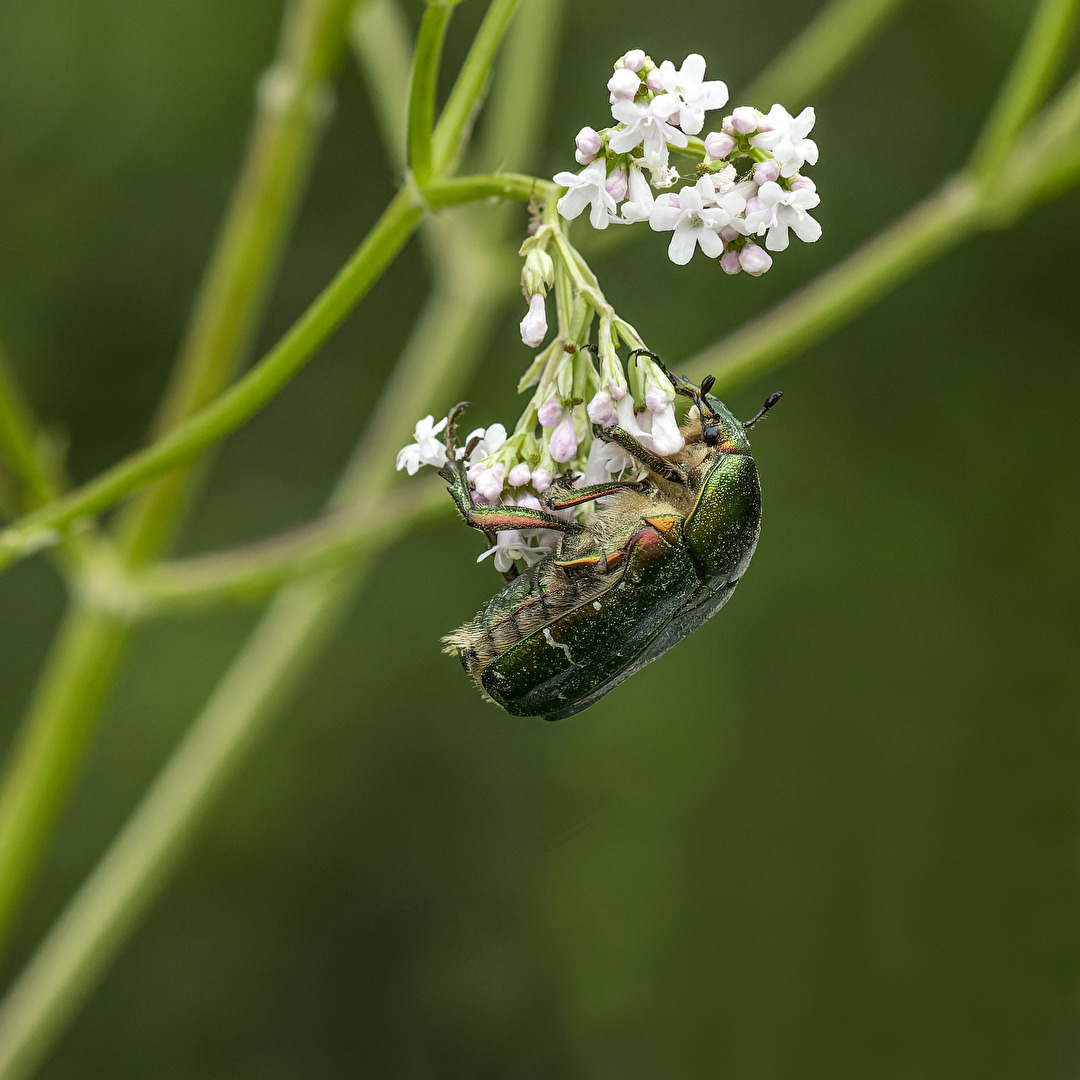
(749, 187)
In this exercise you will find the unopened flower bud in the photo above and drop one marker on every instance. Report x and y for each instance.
(745, 119)
(754, 260)
(729, 263)
(550, 412)
(623, 85)
(729, 233)
(802, 183)
(616, 185)
(718, 145)
(764, 171)
(534, 326)
(601, 409)
(654, 81)
(519, 475)
(634, 60)
(538, 273)
(588, 143)
(541, 479)
(564, 444)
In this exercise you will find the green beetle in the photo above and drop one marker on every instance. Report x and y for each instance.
(661, 556)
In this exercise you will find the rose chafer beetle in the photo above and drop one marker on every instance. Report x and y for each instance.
(659, 557)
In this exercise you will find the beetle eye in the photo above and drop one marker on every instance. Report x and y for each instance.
(711, 434)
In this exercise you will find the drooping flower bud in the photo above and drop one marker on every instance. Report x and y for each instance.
(534, 326)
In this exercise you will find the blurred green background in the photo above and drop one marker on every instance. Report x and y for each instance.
(832, 834)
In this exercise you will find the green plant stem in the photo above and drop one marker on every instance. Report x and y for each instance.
(467, 94)
(425, 77)
(35, 484)
(820, 52)
(444, 348)
(293, 104)
(1024, 89)
(50, 745)
(266, 378)
(293, 101)
(252, 571)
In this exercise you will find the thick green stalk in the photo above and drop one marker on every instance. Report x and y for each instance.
(425, 78)
(1024, 89)
(49, 747)
(467, 95)
(443, 350)
(294, 101)
(820, 52)
(250, 393)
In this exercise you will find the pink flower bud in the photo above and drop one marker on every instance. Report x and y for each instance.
(754, 204)
(729, 263)
(634, 60)
(601, 409)
(520, 475)
(531, 501)
(764, 171)
(541, 480)
(745, 119)
(563, 445)
(656, 401)
(616, 184)
(550, 413)
(754, 260)
(718, 145)
(653, 82)
(802, 183)
(588, 143)
(534, 326)
(729, 233)
(489, 482)
(624, 84)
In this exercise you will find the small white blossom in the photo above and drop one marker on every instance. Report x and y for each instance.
(428, 449)
(640, 202)
(510, 546)
(694, 222)
(587, 187)
(685, 96)
(667, 439)
(785, 137)
(605, 461)
(534, 326)
(643, 126)
(780, 210)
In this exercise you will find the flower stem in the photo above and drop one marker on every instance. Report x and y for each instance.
(1024, 89)
(425, 77)
(467, 95)
(50, 744)
(293, 105)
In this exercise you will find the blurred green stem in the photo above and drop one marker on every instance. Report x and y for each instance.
(425, 77)
(1024, 89)
(826, 46)
(43, 763)
(446, 344)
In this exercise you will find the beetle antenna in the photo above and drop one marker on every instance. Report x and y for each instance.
(707, 384)
(769, 403)
(594, 349)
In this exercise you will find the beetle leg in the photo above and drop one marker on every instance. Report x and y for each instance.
(577, 496)
(622, 437)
